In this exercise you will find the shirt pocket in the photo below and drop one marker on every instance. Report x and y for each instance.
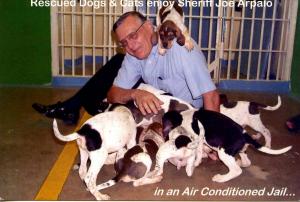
(171, 85)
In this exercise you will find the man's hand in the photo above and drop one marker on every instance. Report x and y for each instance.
(146, 102)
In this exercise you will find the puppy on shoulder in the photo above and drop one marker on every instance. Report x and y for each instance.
(170, 25)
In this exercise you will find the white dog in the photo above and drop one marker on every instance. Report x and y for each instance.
(100, 135)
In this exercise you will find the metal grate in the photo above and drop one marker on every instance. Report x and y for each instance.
(81, 39)
(240, 43)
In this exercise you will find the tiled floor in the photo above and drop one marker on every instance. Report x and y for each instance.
(28, 150)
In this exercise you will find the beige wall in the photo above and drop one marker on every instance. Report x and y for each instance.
(104, 19)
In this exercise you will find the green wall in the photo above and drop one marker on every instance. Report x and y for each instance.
(25, 48)
(295, 77)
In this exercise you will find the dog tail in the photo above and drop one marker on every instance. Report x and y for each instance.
(274, 151)
(62, 137)
(264, 149)
(272, 108)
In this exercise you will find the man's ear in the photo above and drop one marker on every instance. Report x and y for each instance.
(180, 37)
(149, 25)
(154, 38)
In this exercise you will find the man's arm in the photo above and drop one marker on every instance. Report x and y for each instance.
(211, 101)
(146, 102)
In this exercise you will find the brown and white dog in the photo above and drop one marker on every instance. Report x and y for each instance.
(135, 164)
(183, 147)
(170, 25)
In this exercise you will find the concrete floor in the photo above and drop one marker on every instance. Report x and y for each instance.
(28, 150)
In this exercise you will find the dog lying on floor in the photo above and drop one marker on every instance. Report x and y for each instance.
(223, 135)
(248, 114)
(170, 25)
(135, 164)
(100, 135)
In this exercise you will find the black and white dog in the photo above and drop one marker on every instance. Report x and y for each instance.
(100, 135)
(170, 26)
(223, 135)
(135, 164)
(248, 114)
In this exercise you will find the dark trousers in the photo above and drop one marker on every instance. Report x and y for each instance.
(95, 90)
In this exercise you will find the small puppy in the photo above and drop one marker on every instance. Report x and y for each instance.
(136, 163)
(226, 137)
(248, 114)
(102, 134)
(170, 25)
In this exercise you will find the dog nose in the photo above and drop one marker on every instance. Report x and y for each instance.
(165, 45)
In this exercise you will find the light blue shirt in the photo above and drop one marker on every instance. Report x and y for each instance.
(182, 73)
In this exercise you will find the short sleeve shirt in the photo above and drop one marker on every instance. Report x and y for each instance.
(180, 72)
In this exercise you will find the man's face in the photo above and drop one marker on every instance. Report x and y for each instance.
(135, 37)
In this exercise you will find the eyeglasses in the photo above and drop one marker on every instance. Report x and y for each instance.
(130, 37)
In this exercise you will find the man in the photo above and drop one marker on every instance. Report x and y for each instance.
(179, 72)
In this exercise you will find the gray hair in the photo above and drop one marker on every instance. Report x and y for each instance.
(125, 15)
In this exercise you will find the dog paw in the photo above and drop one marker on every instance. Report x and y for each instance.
(189, 45)
(159, 178)
(219, 178)
(162, 51)
(101, 197)
(189, 172)
(82, 175)
(76, 166)
(137, 183)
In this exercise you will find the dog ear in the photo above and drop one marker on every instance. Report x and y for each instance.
(167, 127)
(170, 120)
(180, 37)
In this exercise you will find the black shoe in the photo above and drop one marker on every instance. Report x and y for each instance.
(58, 111)
(94, 109)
